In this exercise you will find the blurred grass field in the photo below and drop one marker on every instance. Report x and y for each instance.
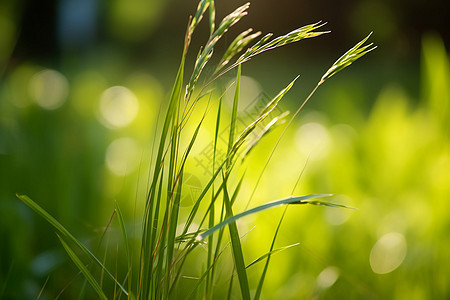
(77, 135)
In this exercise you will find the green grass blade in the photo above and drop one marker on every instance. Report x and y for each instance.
(197, 203)
(83, 270)
(236, 247)
(230, 286)
(281, 119)
(212, 17)
(267, 110)
(148, 238)
(270, 253)
(125, 240)
(211, 210)
(266, 265)
(65, 233)
(277, 203)
(171, 238)
(234, 114)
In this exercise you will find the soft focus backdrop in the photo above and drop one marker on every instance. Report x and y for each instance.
(81, 86)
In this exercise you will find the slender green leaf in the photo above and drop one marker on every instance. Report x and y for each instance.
(267, 110)
(126, 242)
(212, 17)
(277, 203)
(269, 254)
(236, 247)
(83, 270)
(266, 265)
(65, 233)
(278, 120)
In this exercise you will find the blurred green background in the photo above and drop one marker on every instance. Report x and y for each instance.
(81, 85)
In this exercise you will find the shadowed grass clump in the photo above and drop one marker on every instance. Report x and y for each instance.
(168, 236)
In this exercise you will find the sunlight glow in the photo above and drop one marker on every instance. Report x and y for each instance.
(122, 156)
(327, 277)
(49, 89)
(250, 94)
(388, 253)
(335, 216)
(313, 139)
(118, 107)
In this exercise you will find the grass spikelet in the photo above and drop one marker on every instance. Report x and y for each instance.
(348, 58)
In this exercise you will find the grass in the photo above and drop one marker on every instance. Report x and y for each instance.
(168, 237)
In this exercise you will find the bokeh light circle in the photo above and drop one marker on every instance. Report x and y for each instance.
(118, 107)
(49, 89)
(388, 253)
(313, 139)
(122, 156)
(327, 277)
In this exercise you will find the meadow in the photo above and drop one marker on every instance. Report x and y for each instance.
(115, 152)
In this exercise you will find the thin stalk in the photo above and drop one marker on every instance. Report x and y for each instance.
(278, 142)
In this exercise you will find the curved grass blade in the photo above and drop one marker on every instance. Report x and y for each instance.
(281, 119)
(83, 270)
(270, 253)
(277, 203)
(64, 232)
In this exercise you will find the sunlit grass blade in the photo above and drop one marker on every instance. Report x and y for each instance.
(149, 238)
(234, 234)
(266, 111)
(269, 256)
(278, 120)
(211, 210)
(348, 58)
(83, 270)
(272, 252)
(230, 286)
(233, 117)
(65, 233)
(236, 46)
(236, 247)
(277, 203)
(324, 203)
(212, 17)
(171, 238)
